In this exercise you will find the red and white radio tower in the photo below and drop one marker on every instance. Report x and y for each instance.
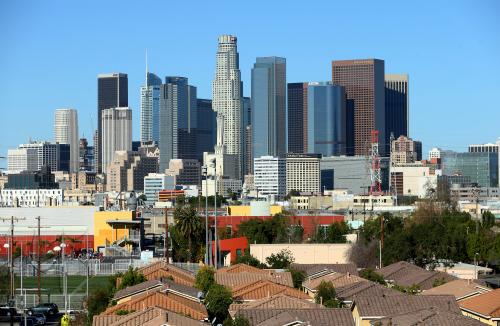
(376, 186)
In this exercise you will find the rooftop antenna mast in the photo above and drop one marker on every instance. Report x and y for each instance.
(375, 176)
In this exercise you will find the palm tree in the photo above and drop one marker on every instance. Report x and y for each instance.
(189, 223)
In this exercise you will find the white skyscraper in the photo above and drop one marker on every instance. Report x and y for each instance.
(66, 132)
(150, 108)
(226, 96)
(270, 176)
(116, 133)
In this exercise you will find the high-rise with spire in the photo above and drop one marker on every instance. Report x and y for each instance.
(150, 107)
(227, 98)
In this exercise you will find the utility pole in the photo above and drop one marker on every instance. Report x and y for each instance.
(165, 240)
(11, 250)
(39, 258)
(381, 238)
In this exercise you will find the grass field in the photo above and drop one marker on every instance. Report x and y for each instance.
(53, 284)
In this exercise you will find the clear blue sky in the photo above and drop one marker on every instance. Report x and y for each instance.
(52, 51)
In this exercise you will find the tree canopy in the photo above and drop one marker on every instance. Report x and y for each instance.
(205, 278)
(281, 259)
(217, 301)
(326, 295)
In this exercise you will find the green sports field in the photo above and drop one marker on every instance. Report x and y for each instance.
(53, 284)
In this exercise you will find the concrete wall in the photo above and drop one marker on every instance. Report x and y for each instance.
(328, 253)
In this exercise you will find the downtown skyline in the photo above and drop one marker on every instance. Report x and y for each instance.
(438, 87)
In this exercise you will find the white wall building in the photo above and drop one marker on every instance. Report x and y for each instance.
(116, 133)
(270, 176)
(66, 132)
(154, 183)
(413, 180)
(22, 159)
(303, 172)
(31, 197)
(226, 96)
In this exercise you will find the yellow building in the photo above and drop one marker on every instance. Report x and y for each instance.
(257, 209)
(112, 226)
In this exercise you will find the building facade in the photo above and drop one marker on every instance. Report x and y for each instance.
(66, 132)
(303, 172)
(150, 108)
(269, 107)
(177, 120)
(185, 171)
(86, 153)
(22, 159)
(364, 84)
(297, 117)
(270, 176)
(31, 197)
(116, 132)
(112, 92)
(405, 150)
(326, 119)
(55, 156)
(227, 97)
(396, 105)
(206, 128)
(127, 170)
(156, 182)
(481, 167)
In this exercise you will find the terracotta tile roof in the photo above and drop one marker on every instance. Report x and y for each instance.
(151, 316)
(382, 306)
(428, 316)
(162, 269)
(265, 288)
(313, 269)
(461, 289)
(366, 288)
(316, 317)
(278, 301)
(406, 274)
(239, 268)
(168, 301)
(337, 279)
(236, 279)
(139, 288)
(486, 304)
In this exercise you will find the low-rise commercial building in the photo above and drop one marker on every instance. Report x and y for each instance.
(303, 172)
(318, 253)
(156, 182)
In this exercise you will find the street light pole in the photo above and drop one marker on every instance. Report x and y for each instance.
(205, 173)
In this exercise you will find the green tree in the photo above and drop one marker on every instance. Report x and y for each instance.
(298, 277)
(272, 230)
(373, 276)
(248, 259)
(189, 224)
(217, 301)
(326, 295)
(131, 277)
(280, 260)
(4, 286)
(292, 193)
(334, 233)
(205, 278)
(97, 302)
(488, 220)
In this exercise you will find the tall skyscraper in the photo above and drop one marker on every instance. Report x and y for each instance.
(66, 132)
(269, 107)
(206, 129)
(112, 92)
(178, 111)
(116, 133)
(326, 119)
(227, 96)
(297, 118)
(247, 136)
(364, 84)
(150, 108)
(396, 105)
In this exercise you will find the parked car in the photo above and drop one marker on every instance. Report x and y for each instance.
(37, 318)
(48, 309)
(7, 311)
